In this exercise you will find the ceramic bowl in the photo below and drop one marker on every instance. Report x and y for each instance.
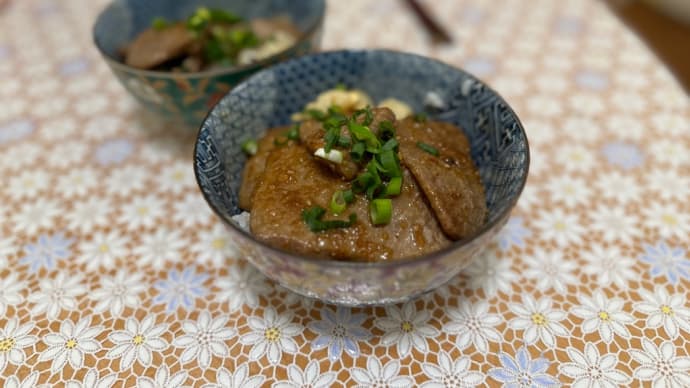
(267, 99)
(187, 97)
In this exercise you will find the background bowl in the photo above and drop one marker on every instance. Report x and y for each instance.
(499, 148)
(187, 97)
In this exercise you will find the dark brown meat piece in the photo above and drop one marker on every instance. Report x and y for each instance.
(154, 47)
(312, 135)
(294, 181)
(254, 167)
(450, 181)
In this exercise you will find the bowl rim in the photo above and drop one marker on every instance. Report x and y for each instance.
(385, 264)
(114, 63)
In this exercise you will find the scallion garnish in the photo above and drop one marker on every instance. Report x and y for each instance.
(363, 133)
(338, 202)
(160, 23)
(340, 86)
(313, 217)
(331, 138)
(357, 151)
(394, 187)
(250, 147)
(368, 115)
(386, 130)
(344, 142)
(316, 114)
(390, 163)
(348, 196)
(391, 145)
(381, 211)
(427, 148)
(293, 133)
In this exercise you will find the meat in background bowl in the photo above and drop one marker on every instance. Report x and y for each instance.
(187, 97)
(268, 99)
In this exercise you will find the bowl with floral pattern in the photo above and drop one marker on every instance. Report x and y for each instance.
(498, 142)
(187, 96)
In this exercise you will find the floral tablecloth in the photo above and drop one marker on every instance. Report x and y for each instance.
(113, 272)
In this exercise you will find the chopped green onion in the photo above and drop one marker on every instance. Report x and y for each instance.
(390, 145)
(316, 114)
(159, 23)
(390, 163)
(250, 147)
(293, 133)
(357, 152)
(420, 117)
(386, 130)
(373, 190)
(344, 142)
(394, 187)
(427, 148)
(334, 156)
(368, 115)
(381, 211)
(313, 217)
(338, 202)
(340, 86)
(348, 196)
(331, 138)
(363, 133)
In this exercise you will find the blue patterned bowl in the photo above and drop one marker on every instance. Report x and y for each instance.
(187, 97)
(267, 99)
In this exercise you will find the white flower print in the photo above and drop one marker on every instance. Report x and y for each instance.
(243, 286)
(117, 292)
(7, 248)
(28, 382)
(239, 379)
(163, 379)
(49, 107)
(102, 126)
(215, 246)
(34, 215)
(271, 335)
(159, 247)
(490, 273)
(69, 153)
(175, 177)
(57, 129)
(608, 265)
(562, 228)
(542, 106)
(191, 211)
(670, 123)
(542, 131)
(664, 309)
(338, 330)
(10, 291)
(77, 182)
(126, 180)
(203, 338)
(589, 369)
(406, 328)
(575, 158)
(615, 224)
(538, 320)
(668, 219)
(603, 315)
(673, 152)
(21, 155)
(586, 104)
(472, 324)
(88, 214)
(28, 184)
(91, 380)
(668, 184)
(381, 376)
(451, 374)
(57, 294)
(568, 190)
(142, 211)
(137, 342)
(660, 365)
(550, 270)
(629, 101)
(71, 344)
(102, 250)
(91, 104)
(621, 187)
(311, 377)
(13, 339)
(625, 127)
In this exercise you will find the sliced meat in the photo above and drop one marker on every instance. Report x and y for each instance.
(450, 181)
(254, 167)
(294, 181)
(266, 28)
(154, 47)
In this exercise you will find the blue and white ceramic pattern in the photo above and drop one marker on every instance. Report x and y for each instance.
(267, 99)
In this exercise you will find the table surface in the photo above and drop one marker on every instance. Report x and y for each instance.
(113, 272)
